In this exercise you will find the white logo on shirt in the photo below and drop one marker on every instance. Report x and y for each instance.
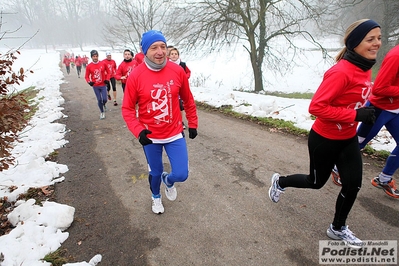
(129, 69)
(97, 75)
(366, 91)
(159, 96)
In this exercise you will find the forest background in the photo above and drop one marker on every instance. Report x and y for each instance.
(197, 27)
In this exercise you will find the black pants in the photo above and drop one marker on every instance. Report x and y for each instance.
(112, 82)
(323, 154)
(79, 69)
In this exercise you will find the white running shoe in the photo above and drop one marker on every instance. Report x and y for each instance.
(157, 206)
(345, 235)
(102, 115)
(170, 191)
(275, 190)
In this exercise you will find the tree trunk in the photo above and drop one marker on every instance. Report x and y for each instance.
(257, 70)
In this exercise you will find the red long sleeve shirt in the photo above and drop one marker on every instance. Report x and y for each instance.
(66, 61)
(139, 57)
(78, 61)
(157, 95)
(345, 87)
(188, 72)
(124, 70)
(385, 92)
(97, 72)
(111, 67)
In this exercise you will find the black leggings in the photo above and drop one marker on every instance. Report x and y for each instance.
(112, 82)
(79, 69)
(324, 154)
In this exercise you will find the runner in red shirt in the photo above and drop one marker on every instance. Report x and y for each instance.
(98, 77)
(174, 56)
(85, 61)
(111, 69)
(385, 99)
(67, 63)
(125, 68)
(78, 63)
(338, 106)
(155, 86)
(139, 57)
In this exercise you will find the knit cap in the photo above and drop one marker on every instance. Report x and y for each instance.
(93, 52)
(149, 38)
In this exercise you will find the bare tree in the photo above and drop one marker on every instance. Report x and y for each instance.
(60, 22)
(84, 20)
(41, 16)
(37, 15)
(255, 25)
(385, 12)
(132, 18)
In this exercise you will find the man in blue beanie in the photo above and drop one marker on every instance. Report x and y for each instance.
(149, 38)
(155, 86)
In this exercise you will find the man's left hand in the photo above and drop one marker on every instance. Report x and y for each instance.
(192, 133)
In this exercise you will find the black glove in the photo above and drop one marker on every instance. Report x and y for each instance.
(365, 115)
(143, 137)
(91, 83)
(192, 133)
(106, 82)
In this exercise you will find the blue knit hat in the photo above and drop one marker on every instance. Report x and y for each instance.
(149, 38)
(357, 35)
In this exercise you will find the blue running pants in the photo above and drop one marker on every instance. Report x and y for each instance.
(178, 158)
(391, 122)
(101, 95)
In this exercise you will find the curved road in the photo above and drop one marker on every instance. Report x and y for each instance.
(222, 215)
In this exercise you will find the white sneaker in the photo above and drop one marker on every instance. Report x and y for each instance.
(105, 108)
(157, 206)
(345, 235)
(275, 190)
(102, 115)
(170, 191)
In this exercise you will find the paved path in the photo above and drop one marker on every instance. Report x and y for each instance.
(222, 215)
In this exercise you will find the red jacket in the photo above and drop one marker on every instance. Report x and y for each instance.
(345, 87)
(157, 95)
(97, 72)
(78, 61)
(139, 57)
(124, 69)
(188, 72)
(385, 92)
(66, 61)
(186, 69)
(111, 66)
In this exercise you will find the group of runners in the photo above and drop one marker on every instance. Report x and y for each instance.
(71, 61)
